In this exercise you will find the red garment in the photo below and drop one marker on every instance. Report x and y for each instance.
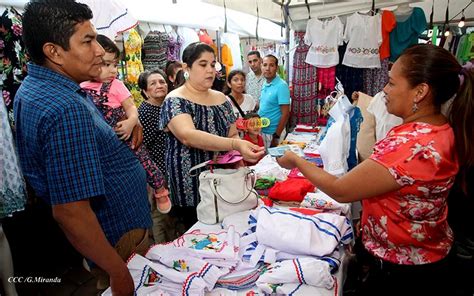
(259, 143)
(205, 38)
(293, 189)
(388, 24)
(259, 140)
(409, 226)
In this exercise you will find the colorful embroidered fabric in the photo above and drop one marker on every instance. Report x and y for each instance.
(305, 106)
(363, 33)
(306, 271)
(154, 278)
(220, 249)
(409, 225)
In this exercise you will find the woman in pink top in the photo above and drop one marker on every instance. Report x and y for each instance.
(405, 183)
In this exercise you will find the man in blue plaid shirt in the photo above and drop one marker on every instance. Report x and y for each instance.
(69, 154)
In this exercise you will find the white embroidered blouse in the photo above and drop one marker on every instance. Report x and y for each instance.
(324, 37)
(363, 34)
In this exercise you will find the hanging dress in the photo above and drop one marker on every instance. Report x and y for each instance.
(304, 104)
(12, 185)
(134, 66)
(155, 46)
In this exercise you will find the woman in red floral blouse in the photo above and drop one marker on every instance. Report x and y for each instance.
(405, 183)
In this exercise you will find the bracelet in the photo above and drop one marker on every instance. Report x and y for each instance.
(232, 144)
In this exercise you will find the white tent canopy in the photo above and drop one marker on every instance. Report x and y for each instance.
(193, 14)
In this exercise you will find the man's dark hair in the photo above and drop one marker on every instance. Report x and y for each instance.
(51, 21)
(254, 52)
(272, 56)
(108, 45)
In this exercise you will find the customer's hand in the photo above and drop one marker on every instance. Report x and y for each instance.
(288, 160)
(121, 283)
(137, 136)
(250, 152)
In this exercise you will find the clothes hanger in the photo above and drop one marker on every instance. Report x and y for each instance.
(309, 9)
(403, 9)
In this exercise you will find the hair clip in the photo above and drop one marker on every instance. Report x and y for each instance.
(254, 122)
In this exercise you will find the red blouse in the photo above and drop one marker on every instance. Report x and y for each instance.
(409, 226)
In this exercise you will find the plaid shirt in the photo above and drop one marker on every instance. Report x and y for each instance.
(253, 85)
(69, 153)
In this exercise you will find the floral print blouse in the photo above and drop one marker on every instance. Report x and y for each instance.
(409, 226)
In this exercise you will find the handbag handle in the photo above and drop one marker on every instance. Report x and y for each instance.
(251, 190)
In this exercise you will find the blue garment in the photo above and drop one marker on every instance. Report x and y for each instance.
(179, 158)
(69, 153)
(273, 95)
(406, 33)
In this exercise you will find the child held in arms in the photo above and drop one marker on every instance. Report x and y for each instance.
(115, 102)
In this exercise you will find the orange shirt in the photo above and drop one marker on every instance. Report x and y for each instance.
(409, 226)
(388, 24)
(226, 56)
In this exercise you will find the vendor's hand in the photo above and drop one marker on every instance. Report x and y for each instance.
(355, 96)
(250, 152)
(288, 160)
(124, 128)
(137, 136)
(121, 283)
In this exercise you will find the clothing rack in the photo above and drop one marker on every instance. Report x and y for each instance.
(362, 7)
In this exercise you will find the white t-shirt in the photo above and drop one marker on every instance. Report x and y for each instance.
(364, 36)
(247, 106)
(324, 38)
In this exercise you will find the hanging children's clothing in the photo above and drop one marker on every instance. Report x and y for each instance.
(304, 104)
(409, 27)
(363, 34)
(324, 37)
(12, 185)
(155, 46)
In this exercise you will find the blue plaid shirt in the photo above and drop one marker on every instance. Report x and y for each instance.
(69, 153)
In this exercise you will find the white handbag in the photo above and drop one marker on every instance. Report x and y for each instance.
(224, 192)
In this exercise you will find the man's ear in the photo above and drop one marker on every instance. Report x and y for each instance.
(53, 53)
